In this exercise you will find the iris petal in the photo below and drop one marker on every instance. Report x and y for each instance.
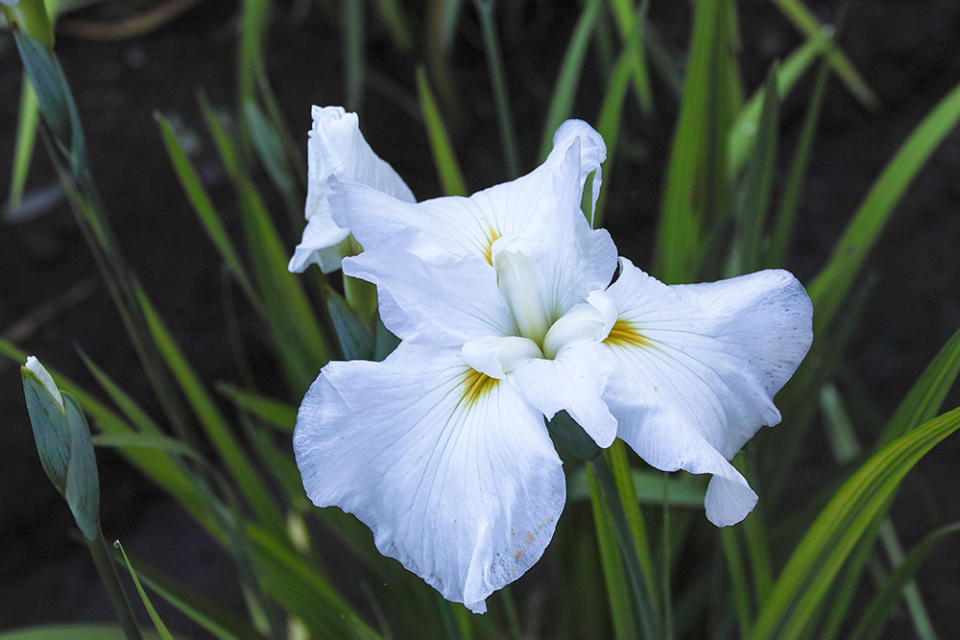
(453, 471)
(698, 366)
(336, 147)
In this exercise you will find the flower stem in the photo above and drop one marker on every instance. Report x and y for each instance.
(665, 574)
(31, 16)
(111, 582)
(608, 487)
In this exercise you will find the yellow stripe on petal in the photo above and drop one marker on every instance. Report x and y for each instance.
(492, 236)
(625, 334)
(475, 386)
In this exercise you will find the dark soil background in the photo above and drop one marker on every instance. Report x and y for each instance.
(52, 300)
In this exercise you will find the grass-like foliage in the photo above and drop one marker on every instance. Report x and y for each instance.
(221, 448)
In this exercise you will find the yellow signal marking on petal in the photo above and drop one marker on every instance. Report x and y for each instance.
(492, 237)
(476, 385)
(624, 334)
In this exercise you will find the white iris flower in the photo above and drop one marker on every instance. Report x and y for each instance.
(505, 308)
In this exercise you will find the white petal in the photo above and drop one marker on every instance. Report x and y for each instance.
(337, 148)
(531, 206)
(593, 152)
(574, 381)
(698, 368)
(588, 321)
(498, 356)
(430, 296)
(324, 243)
(463, 488)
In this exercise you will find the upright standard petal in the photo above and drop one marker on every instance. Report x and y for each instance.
(537, 219)
(437, 297)
(452, 470)
(337, 148)
(698, 366)
(547, 198)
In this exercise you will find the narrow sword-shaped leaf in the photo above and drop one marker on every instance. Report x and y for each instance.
(679, 230)
(448, 169)
(608, 124)
(631, 27)
(738, 578)
(491, 44)
(829, 541)
(567, 79)
(155, 465)
(744, 129)
(302, 591)
(615, 578)
(211, 616)
(878, 612)
(808, 24)
(26, 140)
(927, 394)
(211, 420)
(354, 50)
(833, 282)
(273, 412)
(758, 181)
(790, 199)
(158, 624)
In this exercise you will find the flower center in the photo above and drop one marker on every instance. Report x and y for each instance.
(538, 333)
(522, 286)
(588, 321)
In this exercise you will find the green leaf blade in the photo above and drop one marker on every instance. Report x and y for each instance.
(448, 169)
(828, 542)
(565, 88)
(831, 285)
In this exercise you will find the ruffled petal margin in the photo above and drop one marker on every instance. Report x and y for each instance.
(453, 471)
(698, 366)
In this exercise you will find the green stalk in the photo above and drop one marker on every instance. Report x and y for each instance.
(608, 487)
(31, 16)
(665, 572)
(790, 201)
(738, 579)
(353, 53)
(497, 79)
(111, 581)
(26, 140)
(510, 609)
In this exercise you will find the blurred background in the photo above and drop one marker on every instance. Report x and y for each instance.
(123, 68)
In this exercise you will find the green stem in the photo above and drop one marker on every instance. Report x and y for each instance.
(353, 26)
(608, 487)
(510, 608)
(500, 95)
(111, 582)
(26, 140)
(665, 573)
(31, 15)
